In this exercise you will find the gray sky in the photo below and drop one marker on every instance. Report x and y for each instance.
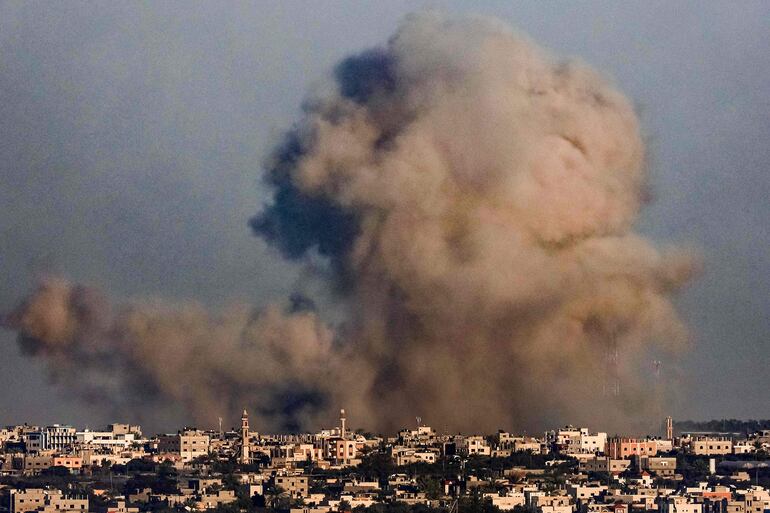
(131, 137)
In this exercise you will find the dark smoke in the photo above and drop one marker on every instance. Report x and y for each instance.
(475, 199)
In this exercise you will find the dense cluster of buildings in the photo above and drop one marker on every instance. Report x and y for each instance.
(569, 470)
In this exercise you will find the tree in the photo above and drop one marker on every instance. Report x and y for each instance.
(476, 504)
(377, 465)
(431, 486)
(56, 471)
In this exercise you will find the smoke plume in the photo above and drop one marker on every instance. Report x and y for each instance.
(475, 199)
(151, 355)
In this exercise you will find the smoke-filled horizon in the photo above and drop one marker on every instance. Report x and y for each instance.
(475, 199)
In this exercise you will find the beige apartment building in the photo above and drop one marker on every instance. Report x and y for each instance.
(40, 500)
(680, 505)
(295, 486)
(340, 450)
(73, 463)
(188, 444)
(604, 465)
(660, 466)
(756, 500)
(36, 463)
(475, 445)
(711, 446)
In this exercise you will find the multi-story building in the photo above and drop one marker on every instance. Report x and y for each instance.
(604, 465)
(339, 450)
(571, 440)
(550, 503)
(584, 493)
(36, 463)
(125, 429)
(119, 506)
(10, 434)
(59, 438)
(187, 444)
(51, 438)
(680, 504)
(711, 445)
(106, 441)
(623, 448)
(475, 446)
(408, 455)
(35, 499)
(659, 466)
(33, 441)
(295, 486)
(72, 463)
(526, 444)
(756, 500)
(744, 447)
(592, 443)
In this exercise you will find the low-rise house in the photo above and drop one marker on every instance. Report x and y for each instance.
(660, 466)
(679, 504)
(213, 500)
(604, 465)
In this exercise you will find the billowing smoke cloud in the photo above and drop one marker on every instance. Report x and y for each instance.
(475, 199)
(153, 355)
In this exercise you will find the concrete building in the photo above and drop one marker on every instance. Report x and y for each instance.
(36, 463)
(679, 504)
(756, 500)
(525, 444)
(592, 443)
(475, 446)
(188, 444)
(624, 448)
(294, 486)
(541, 503)
(664, 467)
(72, 463)
(407, 455)
(744, 447)
(106, 441)
(125, 429)
(604, 465)
(711, 446)
(571, 440)
(209, 501)
(33, 441)
(585, 492)
(59, 438)
(40, 500)
(119, 506)
(506, 502)
(340, 451)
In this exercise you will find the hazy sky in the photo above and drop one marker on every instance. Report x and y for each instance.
(131, 136)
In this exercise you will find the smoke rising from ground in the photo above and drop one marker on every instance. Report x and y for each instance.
(475, 198)
(148, 355)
